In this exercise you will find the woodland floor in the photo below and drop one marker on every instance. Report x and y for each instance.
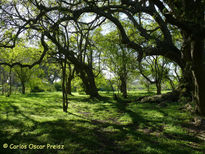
(93, 126)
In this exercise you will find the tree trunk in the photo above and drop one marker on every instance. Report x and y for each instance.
(23, 88)
(2, 79)
(68, 86)
(186, 85)
(3, 82)
(123, 86)
(198, 73)
(194, 71)
(10, 84)
(64, 91)
(88, 79)
(171, 84)
(69, 79)
(195, 51)
(148, 87)
(158, 86)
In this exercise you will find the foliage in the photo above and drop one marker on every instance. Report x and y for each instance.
(160, 71)
(103, 83)
(21, 53)
(58, 86)
(78, 85)
(36, 89)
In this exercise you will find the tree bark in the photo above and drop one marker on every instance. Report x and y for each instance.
(171, 84)
(64, 91)
(23, 88)
(193, 83)
(3, 82)
(10, 83)
(123, 86)
(198, 73)
(190, 18)
(88, 79)
(158, 86)
(194, 53)
(68, 86)
(69, 79)
(1, 79)
(148, 87)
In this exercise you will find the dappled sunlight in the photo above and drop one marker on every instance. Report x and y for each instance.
(102, 76)
(95, 126)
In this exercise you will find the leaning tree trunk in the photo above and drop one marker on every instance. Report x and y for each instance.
(88, 79)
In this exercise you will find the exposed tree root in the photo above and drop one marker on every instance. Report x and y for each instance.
(168, 97)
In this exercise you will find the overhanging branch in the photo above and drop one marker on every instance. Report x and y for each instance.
(45, 46)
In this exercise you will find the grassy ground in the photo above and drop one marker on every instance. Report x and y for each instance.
(93, 126)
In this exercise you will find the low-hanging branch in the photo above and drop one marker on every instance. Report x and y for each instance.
(45, 46)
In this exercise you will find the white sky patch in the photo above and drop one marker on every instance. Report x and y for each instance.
(108, 75)
(107, 28)
(87, 17)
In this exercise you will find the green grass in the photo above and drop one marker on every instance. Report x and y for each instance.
(93, 126)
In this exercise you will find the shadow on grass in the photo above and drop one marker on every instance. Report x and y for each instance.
(87, 135)
(78, 138)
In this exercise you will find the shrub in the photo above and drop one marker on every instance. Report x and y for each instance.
(58, 86)
(37, 89)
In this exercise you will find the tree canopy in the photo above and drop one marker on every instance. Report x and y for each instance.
(173, 29)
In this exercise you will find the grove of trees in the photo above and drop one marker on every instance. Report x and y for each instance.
(72, 41)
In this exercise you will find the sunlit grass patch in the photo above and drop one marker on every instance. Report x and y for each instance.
(95, 126)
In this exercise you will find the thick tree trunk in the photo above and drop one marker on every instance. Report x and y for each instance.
(158, 86)
(88, 79)
(123, 86)
(199, 89)
(186, 84)
(198, 73)
(194, 43)
(193, 82)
